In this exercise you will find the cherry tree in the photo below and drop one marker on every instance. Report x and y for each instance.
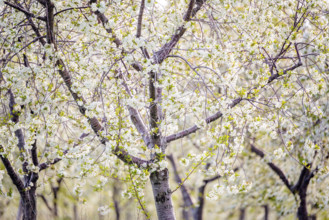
(94, 83)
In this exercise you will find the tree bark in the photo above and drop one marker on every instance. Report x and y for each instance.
(266, 212)
(75, 212)
(312, 217)
(20, 210)
(302, 209)
(198, 212)
(242, 214)
(55, 190)
(162, 195)
(29, 205)
(115, 201)
(188, 207)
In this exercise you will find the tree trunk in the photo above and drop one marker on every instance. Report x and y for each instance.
(242, 214)
(266, 211)
(198, 212)
(115, 200)
(29, 207)
(312, 217)
(55, 190)
(302, 209)
(186, 213)
(162, 195)
(187, 210)
(20, 210)
(75, 212)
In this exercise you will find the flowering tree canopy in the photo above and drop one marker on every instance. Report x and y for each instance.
(237, 91)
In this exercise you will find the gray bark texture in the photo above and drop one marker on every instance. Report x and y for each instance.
(162, 195)
(28, 205)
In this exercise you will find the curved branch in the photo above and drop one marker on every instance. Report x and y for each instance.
(67, 9)
(45, 165)
(28, 44)
(275, 168)
(188, 203)
(164, 51)
(199, 210)
(11, 172)
(194, 128)
(27, 13)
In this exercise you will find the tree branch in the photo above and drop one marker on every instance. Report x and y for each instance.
(277, 75)
(19, 132)
(275, 168)
(154, 110)
(67, 9)
(45, 165)
(136, 117)
(50, 22)
(46, 202)
(95, 124)
(43, 2)
(105, 21)
(219, 114)
(139, 33)
(139, 124)
(163, 53)
(188, 14)
(194, 128)
(302, 177)
(34, 27)
(198, 212)
(11, 172)
(27, 13)
(34, 154)
(116, 190)
(37, 32)
(140, 19)
(188, 203)
(56, 160)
